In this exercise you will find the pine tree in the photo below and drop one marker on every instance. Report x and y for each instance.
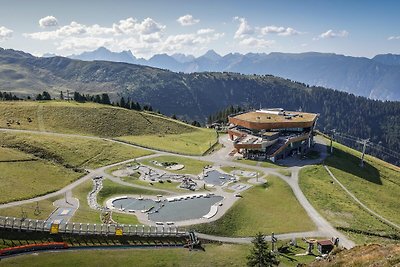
(46, 95)
(260, 255)
(105, 99)
(122, 103)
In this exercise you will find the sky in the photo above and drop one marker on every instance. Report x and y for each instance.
(356, 28)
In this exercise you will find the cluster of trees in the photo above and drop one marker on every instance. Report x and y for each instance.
(105, 99)
(222, 115)
(82, 98)
(129, 104)
(4, 96)
(43, 96)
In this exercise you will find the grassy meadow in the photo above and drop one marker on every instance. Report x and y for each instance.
(375, 185)
(34, 164)
(73, 152)
(45, 208)
(86, 119)
(214, 255)
(267, 208)
(27, 179)
(192, 143)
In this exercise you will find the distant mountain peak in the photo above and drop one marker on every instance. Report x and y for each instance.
(102, 53)
(211, 54)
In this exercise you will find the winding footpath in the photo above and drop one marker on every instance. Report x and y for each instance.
(324, 228)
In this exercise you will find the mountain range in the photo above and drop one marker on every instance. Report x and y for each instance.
(376, 78)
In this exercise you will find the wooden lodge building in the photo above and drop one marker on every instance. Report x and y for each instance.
(272, 133)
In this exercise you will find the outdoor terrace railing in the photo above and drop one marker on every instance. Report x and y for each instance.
(91, 229)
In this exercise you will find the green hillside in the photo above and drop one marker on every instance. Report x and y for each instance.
(71, 152)
(86, 119)
(140, 128)
(32, 177)
(376, 185)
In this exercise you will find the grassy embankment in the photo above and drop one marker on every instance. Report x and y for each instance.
(60, 160)
(142, 128)
(213, 255)
(267, 208)
(376, 185)
(27, 179)
(192, 143)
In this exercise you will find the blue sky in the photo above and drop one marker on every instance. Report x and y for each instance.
(357, 28)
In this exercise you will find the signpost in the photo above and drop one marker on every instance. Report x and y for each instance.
(119, 231)
(54, 228)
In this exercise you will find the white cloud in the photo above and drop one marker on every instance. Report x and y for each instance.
(5, 33)
(394, 38)
(282, 31)
(80, 44)
(256, 42)
(128, 26)
(244, 28)
(187, 20)
(73, 29)
(178, 42)
(245, 35)
(332, 34)
(205, 31)
(49, 21)
(143, 38)
(149, 26)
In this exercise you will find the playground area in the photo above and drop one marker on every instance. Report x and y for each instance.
(151, 175)
(214, 191)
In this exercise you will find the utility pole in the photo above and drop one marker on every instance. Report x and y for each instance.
(68, 95)
(364, 142)
(332, 136)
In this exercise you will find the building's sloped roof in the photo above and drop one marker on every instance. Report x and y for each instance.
(285, 116)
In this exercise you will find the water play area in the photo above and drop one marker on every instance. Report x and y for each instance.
(173, 209)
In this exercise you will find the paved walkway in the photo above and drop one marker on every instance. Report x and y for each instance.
(65, 208)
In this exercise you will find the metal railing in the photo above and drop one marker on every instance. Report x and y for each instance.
(91, 229)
